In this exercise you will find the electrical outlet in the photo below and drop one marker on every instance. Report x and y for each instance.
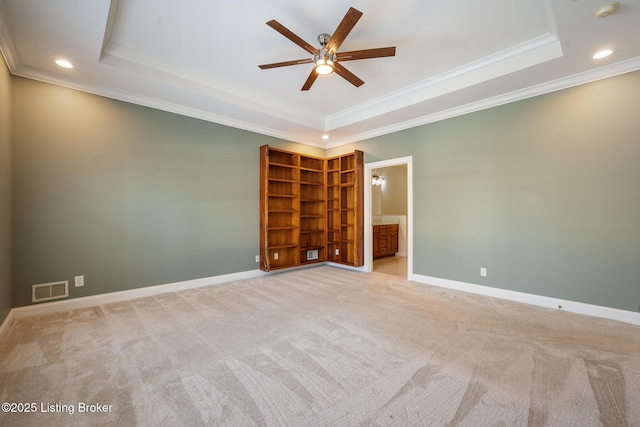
(257, 258)
(483, 272)
(337, 251)
(79, 281)
(275, 255)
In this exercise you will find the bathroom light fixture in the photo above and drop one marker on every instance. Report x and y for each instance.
(325, 136)
(377, 180)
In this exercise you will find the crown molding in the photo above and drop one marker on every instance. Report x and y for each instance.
(518, 57)
(162, 105)
(151, 68)
(551, 17)
(601, 73)
(111, 19)
(534, 51)
(521, 56)
(120, 57)
(613, 70)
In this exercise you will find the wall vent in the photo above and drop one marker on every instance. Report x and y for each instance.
(49, 291)
(312, 254)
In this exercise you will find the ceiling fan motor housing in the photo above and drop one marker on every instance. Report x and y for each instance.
(324, 38)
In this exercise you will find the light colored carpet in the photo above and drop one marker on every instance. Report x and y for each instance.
(322, 347)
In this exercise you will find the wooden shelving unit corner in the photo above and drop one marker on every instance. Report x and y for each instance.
(310, 209)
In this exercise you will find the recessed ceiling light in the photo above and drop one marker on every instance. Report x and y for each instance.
(325, 136)
(603, 54)
(64, 63)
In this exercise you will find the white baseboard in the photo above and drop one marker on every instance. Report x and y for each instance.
(95, 300)
(542, 301)
(6, 324)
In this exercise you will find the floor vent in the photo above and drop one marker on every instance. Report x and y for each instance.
(49, 291)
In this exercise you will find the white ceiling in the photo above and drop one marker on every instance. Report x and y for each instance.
(200, 57)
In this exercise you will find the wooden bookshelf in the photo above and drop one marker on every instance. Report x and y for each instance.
(309, 210)
(313, 210)
(279, 209)
(333, 209)
(349, 209)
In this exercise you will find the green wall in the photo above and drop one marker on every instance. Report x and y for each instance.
(128, 196)
(5, 190)
(544, 193)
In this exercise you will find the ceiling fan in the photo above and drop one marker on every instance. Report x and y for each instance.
(327, 59)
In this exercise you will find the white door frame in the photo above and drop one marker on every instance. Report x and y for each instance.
(368, 230)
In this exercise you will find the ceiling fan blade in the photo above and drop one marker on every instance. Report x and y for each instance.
(380, 52)
(291, 36)
(344, 28)
(312, 78)
(347, 75)
(285, 63)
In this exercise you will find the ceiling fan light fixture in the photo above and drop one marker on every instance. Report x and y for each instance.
(324, 66)
(324, 62)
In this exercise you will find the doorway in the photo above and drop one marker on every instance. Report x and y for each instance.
(384, 205)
